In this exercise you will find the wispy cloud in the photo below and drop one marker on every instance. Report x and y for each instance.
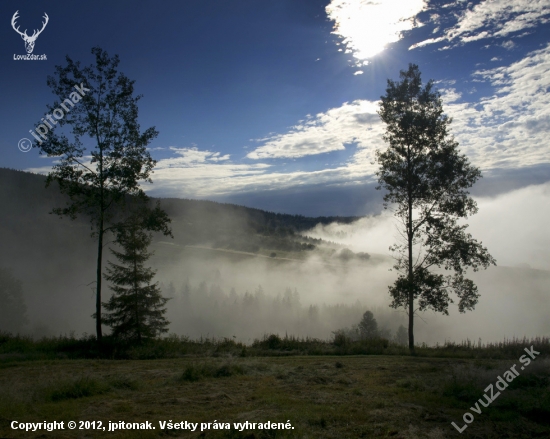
(367, 27)
(190, 157)
(217, 179)
(506, 130)
(490, 19)
(355, 122)
(510, 128)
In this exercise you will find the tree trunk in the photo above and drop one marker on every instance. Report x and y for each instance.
(411, 286)
(98, 282)
(410, 239)
(135, 275)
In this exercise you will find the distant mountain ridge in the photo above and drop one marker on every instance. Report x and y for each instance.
(26, 204)
(15, 183)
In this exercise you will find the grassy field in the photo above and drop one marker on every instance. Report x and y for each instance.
(321, 396)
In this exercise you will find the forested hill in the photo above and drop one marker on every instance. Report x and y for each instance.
(261, 220)
(26, 204)
(19, 186)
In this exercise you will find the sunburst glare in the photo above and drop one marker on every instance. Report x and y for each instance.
(367, 26)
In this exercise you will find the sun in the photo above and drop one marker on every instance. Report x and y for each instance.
(367, 27)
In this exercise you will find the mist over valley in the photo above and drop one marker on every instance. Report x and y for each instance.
(242, 273)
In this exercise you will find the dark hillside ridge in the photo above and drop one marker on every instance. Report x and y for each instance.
(26, 205)
(14, 183)
(261, 221)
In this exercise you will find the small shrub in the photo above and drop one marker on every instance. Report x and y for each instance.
(124, 383)
(227, 370)
(195, 373)
(340, 339)
(273, 341)
(463, 391)
(79, 388)
(411, 383)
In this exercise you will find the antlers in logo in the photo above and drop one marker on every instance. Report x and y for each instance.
(29, 41)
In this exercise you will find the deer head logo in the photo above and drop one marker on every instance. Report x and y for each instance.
(29, 41)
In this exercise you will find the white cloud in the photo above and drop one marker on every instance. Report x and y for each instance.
(330, 131)
(508, 129)
(520, 216)
(511, 128)
(192, 156)
(368, 26)
(489, 19)
(213, 179)
(449, 95)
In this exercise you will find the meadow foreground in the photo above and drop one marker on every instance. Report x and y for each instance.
(321, 397)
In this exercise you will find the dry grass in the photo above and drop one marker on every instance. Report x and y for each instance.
(323, 397)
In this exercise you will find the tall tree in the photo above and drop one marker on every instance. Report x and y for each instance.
(104, 116)
(426, 181)
(136, 309)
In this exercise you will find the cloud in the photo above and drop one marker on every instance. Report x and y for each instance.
(490, 19)
(520, 216)
(509, 129)
(504, 131)
(190, 157)
(367, 27)
(218, 179)
(195, 173)
(356, 122)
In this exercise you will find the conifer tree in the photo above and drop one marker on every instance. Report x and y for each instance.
(135, 311)
(368, 327)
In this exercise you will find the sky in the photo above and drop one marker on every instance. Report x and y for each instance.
(274, 104)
